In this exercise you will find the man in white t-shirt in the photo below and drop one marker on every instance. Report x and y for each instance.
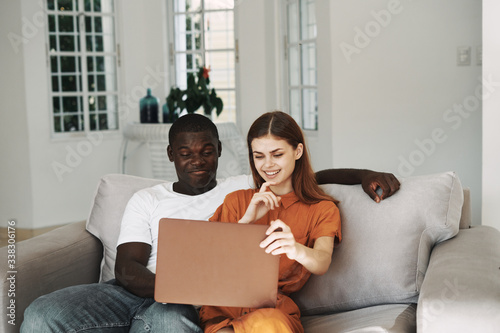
(126, 304)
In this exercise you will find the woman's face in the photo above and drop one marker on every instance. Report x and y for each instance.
(274, 160)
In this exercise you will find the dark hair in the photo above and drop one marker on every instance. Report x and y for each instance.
(192, 122)
(283, 126)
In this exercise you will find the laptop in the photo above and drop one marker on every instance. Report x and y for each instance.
(214, 263)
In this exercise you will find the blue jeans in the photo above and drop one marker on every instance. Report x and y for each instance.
(106, 307)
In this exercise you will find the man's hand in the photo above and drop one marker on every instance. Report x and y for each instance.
(369, 180)
(387, 182)
(130, 269)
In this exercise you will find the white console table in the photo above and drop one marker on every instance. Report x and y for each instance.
(234, 159)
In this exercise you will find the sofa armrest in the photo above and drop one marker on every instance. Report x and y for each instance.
(461, 289)
(60, 258)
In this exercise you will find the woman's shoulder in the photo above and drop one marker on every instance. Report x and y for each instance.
(238, 194)
(325, 205)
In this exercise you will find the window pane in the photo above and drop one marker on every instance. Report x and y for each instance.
(98, 45)
(293, 23)
(100, 64)
(70, 104)
(57, 124)
(309, 64)
(91, 82)
(190, 62)
(220, 4)
(68, 64)
(68, 82)
(188, 36)
(50, 4)
(52, 23)
(55, 83)
(90, 43)
(187, 5)
(56, 105)
(310, 109)
(65, 5)
(92, 103)
(88, 24)
(90, 64)
(103, 115)
(307, 19)
(67, 43)
(97, 5)
(66, 23)
(293, 66)
(101, 83)
(102, 103)
(188, 23)
(97, 24)
(53, 43)
(295, 105)
(219, 31)
(53, 65)
(222, 66)
(73, 123)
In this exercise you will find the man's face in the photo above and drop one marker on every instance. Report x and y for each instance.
(195, 156)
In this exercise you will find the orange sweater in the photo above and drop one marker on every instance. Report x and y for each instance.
(308, 223)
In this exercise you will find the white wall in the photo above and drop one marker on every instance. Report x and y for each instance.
(396, 86)
(491, 116)
(15, 180)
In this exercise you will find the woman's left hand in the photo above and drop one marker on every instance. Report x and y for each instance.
(280, 240)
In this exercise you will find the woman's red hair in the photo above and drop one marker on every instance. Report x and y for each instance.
(283, 126)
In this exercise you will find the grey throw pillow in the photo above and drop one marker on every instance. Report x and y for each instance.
(386, 247)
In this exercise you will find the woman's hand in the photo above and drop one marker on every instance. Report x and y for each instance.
(261, 203)
(280, 240)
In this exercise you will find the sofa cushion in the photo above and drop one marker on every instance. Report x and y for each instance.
(388, 318)
(385, 246)
(112, 196)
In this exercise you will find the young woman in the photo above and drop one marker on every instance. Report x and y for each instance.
(303, 222)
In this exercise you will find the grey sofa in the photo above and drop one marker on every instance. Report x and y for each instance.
(411, 263)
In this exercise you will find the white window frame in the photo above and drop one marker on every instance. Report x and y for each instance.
(298, 112)
(82, 93)
(176, 81)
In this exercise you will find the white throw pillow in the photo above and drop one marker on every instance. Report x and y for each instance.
(112, 196)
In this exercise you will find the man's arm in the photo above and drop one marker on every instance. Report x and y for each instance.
(369, 180)
(131, 271)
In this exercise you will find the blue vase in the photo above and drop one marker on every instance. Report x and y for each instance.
(168, 115)
(149, 112)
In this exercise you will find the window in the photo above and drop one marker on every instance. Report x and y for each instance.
(300, 62)
(83, 62)
(203, 35)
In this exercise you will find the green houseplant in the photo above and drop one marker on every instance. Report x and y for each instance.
(196, 95)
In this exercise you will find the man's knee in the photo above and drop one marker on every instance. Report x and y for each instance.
(174, 317)
(35, 315)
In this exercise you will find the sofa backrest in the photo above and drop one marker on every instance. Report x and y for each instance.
(385, 247)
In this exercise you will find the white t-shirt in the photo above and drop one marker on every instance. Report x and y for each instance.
(146, 207)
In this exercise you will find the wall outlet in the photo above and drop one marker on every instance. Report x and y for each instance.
(463, 55)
